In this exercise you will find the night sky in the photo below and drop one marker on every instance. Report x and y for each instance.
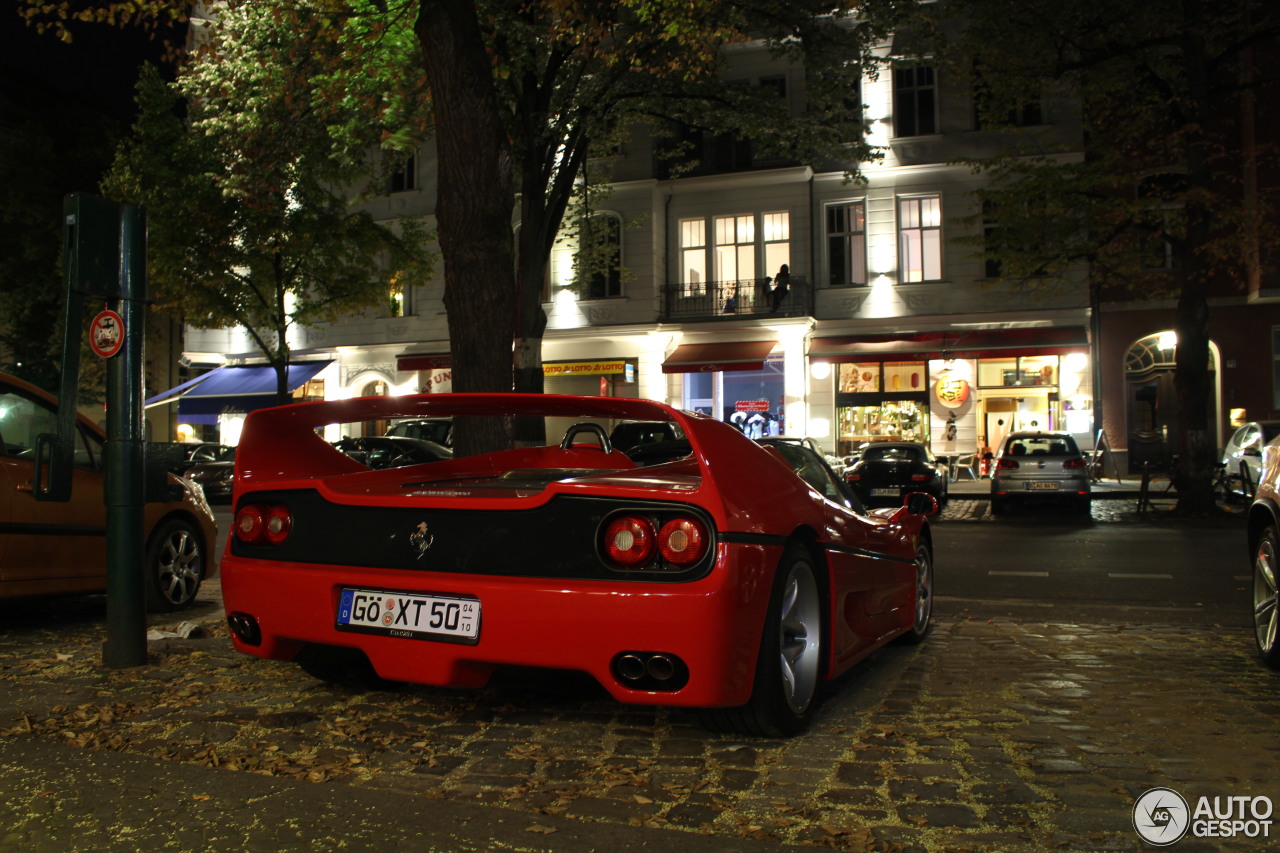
(101, 62)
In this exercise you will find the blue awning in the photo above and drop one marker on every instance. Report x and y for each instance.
(234, 389)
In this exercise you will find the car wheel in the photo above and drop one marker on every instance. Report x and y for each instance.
(1085, 506)
(789, 666)
(1266, 601)
(922, 621)
(998, 506)
(175, 566)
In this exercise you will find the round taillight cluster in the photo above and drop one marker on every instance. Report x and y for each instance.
(260, 524)
(634, 541)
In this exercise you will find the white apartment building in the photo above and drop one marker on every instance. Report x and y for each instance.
(889, 328)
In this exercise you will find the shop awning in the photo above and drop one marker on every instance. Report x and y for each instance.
(987, 343)
(240, 389)
(704, 358)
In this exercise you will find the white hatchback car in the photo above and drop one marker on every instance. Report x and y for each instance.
(1040, 466)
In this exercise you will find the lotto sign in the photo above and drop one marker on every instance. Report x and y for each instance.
(952, 392)
(106, 333)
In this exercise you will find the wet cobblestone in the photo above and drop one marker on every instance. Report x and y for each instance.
(998, 735)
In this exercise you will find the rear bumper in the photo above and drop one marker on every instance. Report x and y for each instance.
(712, 624)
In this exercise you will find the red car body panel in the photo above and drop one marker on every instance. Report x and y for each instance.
(755, 502)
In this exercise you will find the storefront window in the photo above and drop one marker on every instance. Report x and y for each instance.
(1017, 372)
(751, 400)
(881, 401)
(904, 420)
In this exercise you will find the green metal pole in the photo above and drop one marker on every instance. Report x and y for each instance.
(126, 643)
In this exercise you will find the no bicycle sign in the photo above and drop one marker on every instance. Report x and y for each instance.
(106, 333)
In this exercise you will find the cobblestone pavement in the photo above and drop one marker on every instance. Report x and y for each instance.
(1001, 735)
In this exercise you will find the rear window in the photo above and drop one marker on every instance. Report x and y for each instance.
(895, 454)
(1047, 445)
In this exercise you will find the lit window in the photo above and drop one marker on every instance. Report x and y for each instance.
(920, 238)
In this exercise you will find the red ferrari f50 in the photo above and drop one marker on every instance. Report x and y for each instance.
(707, 571)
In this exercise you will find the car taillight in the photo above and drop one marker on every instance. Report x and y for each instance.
(919, 478)
(630, 541)
(1075, 463)
(259, 524)
(682, 542)
(1006, 462)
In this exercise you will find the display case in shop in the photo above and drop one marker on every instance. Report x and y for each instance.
(904, 420)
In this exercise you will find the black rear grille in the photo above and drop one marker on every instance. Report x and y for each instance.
(556, 540)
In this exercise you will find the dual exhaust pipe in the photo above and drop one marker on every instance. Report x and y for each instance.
(650, 671)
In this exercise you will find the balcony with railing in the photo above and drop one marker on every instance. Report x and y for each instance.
(730, 300)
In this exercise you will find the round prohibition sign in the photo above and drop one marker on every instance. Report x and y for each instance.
(106, 333)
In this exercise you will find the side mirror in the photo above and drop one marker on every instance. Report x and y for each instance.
(921, 503)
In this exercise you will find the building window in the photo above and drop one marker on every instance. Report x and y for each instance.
(743, 251)
(602, 265)
(735, 257)
(847, 243)
(914, 101)
(990, 240)
(1162, 196)
(693, 256)
(589, 256)
(920, 238)
(405, 177)
(987, 115)
(777, 241)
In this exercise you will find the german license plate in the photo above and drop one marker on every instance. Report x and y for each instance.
(412, 615)
(1041, 486)
(884, 493)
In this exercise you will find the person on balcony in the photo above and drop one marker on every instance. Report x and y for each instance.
(781, 284)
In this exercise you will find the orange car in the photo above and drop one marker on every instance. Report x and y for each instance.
(55, 548)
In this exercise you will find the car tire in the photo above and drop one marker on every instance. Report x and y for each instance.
(789, 666)
(999, 506)
(1085, 506)
(1266, 600)
(174, 566)
(922, 600)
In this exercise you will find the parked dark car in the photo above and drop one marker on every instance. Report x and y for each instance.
(215, 476)
(886, 471)
(439, 430)
(193, 453)
(392, 451)
(629, 434)
(1264, 548)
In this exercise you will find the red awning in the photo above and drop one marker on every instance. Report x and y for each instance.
(435, 361)
(704, 358)
(997, 343)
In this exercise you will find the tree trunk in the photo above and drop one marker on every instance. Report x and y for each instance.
(473, 211)
(1197, 447)
(531, 319)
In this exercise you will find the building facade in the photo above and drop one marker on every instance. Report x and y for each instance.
(889, 328)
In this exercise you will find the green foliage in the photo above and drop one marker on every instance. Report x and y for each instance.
(246, 166)
(1156, 88)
